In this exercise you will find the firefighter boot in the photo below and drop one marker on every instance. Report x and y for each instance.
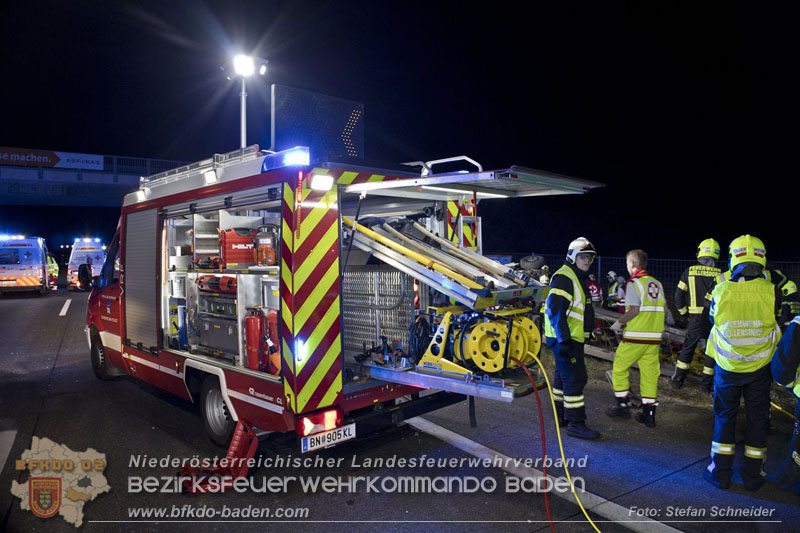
(560, 415)
(622, 409)
(676, 381)
(719, 471)
(647, 416)
(708, 383)
(721, 480)
(752, 474)
(579, 430)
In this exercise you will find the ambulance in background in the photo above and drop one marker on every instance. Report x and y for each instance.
(85, 251)
(23, 264)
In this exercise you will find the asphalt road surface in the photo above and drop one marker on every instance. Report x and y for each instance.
(47, 389)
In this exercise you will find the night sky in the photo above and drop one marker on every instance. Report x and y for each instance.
(682, 111)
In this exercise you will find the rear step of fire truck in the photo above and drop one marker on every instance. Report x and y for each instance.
(468, 278)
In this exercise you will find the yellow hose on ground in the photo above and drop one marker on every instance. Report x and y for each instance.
(779, 408)
(560, 445)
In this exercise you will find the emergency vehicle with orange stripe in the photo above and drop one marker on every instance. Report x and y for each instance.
(85, 250)
(322, 299)
(23, 264)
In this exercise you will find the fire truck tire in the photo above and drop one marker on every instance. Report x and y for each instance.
(217, 421)
(99, 361)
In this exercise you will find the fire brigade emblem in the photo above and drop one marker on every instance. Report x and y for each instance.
(45, 496)
(652, 291)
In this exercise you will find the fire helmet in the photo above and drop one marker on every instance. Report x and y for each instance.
(789, 288)
(747, 249)
(581, 245)
(708, 248)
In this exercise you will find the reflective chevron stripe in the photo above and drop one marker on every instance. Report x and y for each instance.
(310, 291)
(453, 210)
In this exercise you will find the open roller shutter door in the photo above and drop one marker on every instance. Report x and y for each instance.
(141, 323)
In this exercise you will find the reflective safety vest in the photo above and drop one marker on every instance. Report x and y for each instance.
(612, 291)
(647, 326)
(745, 331)
(577, 305)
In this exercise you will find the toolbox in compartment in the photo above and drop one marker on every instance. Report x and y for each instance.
(219, 334)
(238, 247)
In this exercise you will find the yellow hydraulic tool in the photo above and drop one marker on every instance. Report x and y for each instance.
(433, 359)
(485, 343)
(418, 257)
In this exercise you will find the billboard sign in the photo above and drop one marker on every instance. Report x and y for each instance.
(50, 159)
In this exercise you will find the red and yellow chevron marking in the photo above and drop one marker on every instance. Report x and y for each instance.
(21, 281)
(453, 208)
(310, 291)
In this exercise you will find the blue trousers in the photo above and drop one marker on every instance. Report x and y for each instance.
(569, 381)
(789, 471)
(729, 388)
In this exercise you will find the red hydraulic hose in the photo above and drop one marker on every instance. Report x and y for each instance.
(544, 449)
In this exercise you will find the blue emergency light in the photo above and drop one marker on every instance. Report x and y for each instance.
(297, 156)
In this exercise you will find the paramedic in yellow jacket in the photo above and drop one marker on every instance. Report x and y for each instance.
(643, 324)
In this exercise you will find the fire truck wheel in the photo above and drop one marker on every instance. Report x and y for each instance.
(217, 421)
(99, 363)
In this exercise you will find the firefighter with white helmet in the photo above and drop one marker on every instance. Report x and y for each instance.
(569, 317)
(690, 299)
(743, 338)
(616, 291)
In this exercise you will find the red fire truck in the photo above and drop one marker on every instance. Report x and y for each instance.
(317, 299)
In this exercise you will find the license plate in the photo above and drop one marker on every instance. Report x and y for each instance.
(327, 438)
(7, 282)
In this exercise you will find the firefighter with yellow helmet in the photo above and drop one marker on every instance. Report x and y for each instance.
(790, 307)
(690, 299)
(568, 319)
(742, 340)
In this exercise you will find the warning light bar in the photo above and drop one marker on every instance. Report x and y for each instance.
(297, 156)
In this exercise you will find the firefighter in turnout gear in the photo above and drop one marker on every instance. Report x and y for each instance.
(742, 340)
(645, 311)
(786, 371)
(690, 298)
(569, 317)
(790, 303)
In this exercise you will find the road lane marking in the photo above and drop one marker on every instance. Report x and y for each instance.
(593, 502)
(65, 308)
(6, 442)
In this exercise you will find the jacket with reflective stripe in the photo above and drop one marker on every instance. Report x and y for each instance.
(773, 276)
(745, 331)
(567, 300)
(696, 281)
(647, 326)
